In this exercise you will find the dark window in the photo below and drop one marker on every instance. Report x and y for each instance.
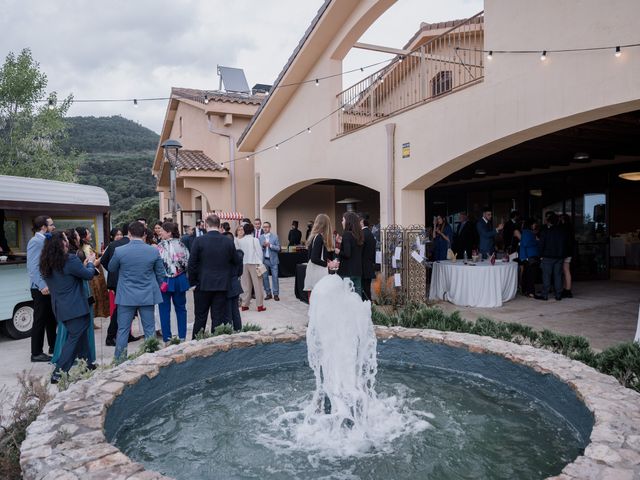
(441, 83)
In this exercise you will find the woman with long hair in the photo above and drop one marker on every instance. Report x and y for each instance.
(175, 257)
(442, 237)
(350, 251)
(98, 285)
(320, 246)
(251, 261)
(115, 234)
(73, 242)
(65, 273)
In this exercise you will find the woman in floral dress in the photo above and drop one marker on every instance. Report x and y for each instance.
(175, 257)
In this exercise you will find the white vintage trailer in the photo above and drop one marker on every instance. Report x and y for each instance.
(21, 200)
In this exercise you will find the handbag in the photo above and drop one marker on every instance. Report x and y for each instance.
(260, 268)
(314, 273)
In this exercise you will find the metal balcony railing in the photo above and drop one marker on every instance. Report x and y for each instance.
(444, 64)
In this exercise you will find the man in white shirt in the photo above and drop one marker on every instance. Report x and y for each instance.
(270, 248)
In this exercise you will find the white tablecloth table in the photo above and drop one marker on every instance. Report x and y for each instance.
(480, 285)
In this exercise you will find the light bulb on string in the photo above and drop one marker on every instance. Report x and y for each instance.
(490, 55)
(206, 98)
(52, 104)
(309, 130)
(317, 82)
(135, 102)
(618, 51)
(543, 57)
(277, 147)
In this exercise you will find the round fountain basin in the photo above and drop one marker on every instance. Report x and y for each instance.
(215, 409)
(226, 416)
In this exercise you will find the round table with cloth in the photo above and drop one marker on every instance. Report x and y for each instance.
(479, 285)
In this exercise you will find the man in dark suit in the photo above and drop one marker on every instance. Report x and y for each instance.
(553, 250)
(112, 283)
(295, 235)
(511, 226)
(212, 262)
(368, 258)
(487, 233)
(464, 237)
(187, 238)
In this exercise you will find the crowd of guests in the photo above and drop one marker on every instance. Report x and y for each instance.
(545, 248)
(146, 269)
(351, 255)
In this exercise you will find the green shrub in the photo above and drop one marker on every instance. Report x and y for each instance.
(224, 329)
(622, 362)
(80, 371)
(203, 334)
(150, 345)
(251, 327)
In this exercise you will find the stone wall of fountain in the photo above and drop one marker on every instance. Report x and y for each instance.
(70, 439)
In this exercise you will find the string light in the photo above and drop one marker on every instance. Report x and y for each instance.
(559, 50)
(135, 102)
(490, 55)
(277, 147)
(543, 57)
(51, 105)
(618, 51)
(317, 82)
(308, 129)
(206, 98)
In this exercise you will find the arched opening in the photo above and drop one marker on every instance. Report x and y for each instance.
(332, 197)
(574, 171)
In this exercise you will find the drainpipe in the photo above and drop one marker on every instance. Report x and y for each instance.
(391, 204)
(232, 164)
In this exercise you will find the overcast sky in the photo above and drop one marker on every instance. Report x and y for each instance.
(141, 48)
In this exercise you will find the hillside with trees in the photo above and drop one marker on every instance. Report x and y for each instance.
(37, 139)
(117, 156)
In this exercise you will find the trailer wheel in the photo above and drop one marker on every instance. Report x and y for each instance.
(19, 326)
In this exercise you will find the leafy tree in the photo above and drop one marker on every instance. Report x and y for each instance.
(148, 209)
(32, 130)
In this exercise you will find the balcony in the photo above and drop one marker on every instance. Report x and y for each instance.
(442, 65)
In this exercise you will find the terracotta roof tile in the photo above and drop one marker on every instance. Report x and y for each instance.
(216, 96)
(197, 160)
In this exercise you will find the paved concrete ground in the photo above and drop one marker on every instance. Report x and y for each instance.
(15, 354)
(604, 312)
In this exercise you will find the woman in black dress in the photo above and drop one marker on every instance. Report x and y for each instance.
(350, 251)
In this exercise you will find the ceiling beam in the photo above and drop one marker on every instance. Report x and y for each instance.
(380, 48)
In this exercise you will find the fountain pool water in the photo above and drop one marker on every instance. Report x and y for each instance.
(413, 410)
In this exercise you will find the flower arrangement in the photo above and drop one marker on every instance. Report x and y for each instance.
(384, 292)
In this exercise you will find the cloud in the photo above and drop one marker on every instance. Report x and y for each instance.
(141, 48)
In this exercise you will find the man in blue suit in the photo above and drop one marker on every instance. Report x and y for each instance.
(140, 272)
(270, 249)
(487, 233)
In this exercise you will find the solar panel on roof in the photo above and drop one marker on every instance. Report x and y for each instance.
(233, 80)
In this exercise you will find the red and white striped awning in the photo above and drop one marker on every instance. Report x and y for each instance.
(226, 215)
